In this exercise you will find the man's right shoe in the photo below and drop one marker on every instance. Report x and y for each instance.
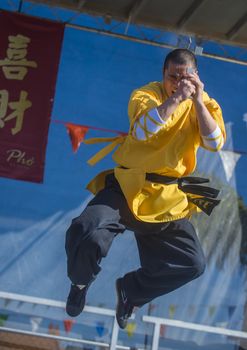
(76, 300)
(124, 307)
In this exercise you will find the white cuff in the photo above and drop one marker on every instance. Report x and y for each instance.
(214, 140)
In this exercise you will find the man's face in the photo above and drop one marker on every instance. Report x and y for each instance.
(172, 76)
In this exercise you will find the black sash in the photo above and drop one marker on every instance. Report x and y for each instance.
(191, 184)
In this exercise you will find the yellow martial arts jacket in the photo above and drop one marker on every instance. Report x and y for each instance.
(170, 152)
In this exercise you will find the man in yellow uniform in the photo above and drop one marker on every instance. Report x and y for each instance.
(149, 192)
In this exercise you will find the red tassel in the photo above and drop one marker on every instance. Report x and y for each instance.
(77, 134)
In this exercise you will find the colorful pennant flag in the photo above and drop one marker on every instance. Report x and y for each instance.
(100, 327)
(68, 325)
(162, 330)
(231, 310)
(35, 323)
(211, 310)
(151, 307)
(3, 319)
(172, 310)
(77, 134)
(130, 328)
(53, 329)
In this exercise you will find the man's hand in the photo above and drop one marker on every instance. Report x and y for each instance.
(206, 122)
(186, 89)
(199, 86)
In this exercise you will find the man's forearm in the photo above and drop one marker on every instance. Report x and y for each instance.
(206, 122)
(150, 123)
(168, 107)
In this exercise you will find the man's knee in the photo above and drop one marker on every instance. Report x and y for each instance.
(193, 268)
(198, 265)
(78, 238)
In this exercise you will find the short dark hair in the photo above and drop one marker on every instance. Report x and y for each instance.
(180, 56)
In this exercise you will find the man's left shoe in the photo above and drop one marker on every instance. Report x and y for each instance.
(124, 307)
(76, 300)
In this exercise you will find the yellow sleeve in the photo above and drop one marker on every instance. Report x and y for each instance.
(141, 101)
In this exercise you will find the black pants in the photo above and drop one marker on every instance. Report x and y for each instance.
(170, 253)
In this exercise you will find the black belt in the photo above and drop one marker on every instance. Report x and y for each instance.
(191, 184)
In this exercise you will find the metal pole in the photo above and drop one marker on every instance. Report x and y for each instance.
(146, 334)
(156, 335)
(195, 327)
(114, 336)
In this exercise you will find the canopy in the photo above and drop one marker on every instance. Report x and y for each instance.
(221, 21)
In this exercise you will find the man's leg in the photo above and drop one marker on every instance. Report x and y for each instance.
(169, 259)
(88, 240)
(90, 236)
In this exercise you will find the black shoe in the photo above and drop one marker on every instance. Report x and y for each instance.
(124, 307)
(76, 300)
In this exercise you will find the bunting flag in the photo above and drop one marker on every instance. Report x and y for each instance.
(35, 323)
(231, 310)
(229, 160)
(211, 310)
(53, 329)
(100, 327)
(151, 307)
(68, 325)
(3, 319)
(162, 330)
(172, 310)
(27, 79)
(77, 134)
(130, 328)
